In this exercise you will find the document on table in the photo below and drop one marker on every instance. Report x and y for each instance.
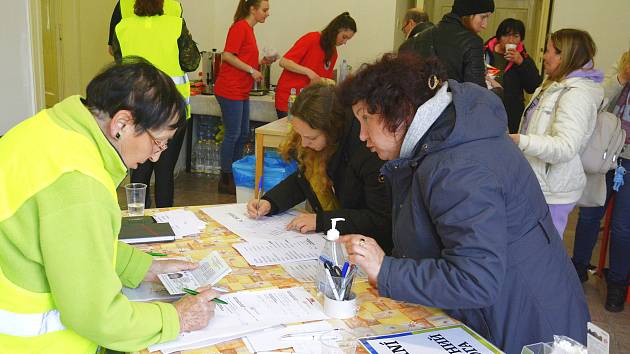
(291, 336)
(271, 252)
(234, 218)
(306, 271)
(149, 291)
(211, 269)
(248, 311)
(183, 222)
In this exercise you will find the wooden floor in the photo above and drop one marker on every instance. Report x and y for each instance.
(191, 189)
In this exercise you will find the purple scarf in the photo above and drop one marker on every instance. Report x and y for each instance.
(622, 110)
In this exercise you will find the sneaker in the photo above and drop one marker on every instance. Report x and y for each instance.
(616, 297)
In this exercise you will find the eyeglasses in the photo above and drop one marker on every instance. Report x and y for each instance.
(160, 145)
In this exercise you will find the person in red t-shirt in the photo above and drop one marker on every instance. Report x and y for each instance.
(239, 70)
(312, 58)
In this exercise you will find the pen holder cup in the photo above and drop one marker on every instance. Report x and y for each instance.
(341, 309)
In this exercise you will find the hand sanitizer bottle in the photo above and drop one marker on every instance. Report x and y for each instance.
(332, 255)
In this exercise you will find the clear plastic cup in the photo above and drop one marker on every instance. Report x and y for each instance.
(136, 193)
(338, 341)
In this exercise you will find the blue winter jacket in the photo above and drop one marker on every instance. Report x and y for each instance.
(472, 231)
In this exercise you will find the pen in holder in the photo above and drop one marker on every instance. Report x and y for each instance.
(339, 300)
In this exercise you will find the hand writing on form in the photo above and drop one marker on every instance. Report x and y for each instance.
(257, 208)
(305, 222)
(196, 311)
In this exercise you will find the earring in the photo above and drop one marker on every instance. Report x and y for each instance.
(117, 136)
(433, 82)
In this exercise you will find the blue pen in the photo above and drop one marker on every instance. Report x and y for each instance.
(344, 270)
(325, 259)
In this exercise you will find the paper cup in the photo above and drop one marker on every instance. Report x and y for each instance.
(510, 46)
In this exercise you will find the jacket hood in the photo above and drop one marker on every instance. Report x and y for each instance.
(588, 72)
(479, 115)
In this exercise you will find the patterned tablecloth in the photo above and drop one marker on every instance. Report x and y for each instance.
(376, 315)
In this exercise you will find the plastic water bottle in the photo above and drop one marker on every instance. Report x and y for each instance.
(343, 71)
(332, 252)
(292, 97)
(215, 166)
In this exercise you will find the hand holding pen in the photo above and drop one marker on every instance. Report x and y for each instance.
(257, 208)
(196, 311)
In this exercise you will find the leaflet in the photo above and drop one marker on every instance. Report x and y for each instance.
(271, 252)
(183, 222)
(235, 218)
(211, 269)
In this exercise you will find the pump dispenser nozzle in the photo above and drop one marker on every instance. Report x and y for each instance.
(333, 233)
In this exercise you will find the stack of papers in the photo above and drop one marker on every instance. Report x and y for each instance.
(210, 270)
(272, 252)
(247, 312)
(183, 222)
(304, 335)
(234, 218)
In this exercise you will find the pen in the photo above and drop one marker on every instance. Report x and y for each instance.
(157, 254)
(260, 181)
(193, 292)
(344, 270)
(331, 283)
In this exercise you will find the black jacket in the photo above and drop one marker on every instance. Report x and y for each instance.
(516, 78)
(459, 49)
(358, 185)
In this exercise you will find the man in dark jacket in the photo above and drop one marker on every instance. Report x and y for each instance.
(471, 229)
(415, 22)
(458, 47)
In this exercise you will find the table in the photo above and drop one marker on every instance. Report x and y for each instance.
(269, 135)
(261, 108)
(377, 315)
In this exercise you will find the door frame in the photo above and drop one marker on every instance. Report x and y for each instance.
(37, 55)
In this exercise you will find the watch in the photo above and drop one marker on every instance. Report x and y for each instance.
(250, 71)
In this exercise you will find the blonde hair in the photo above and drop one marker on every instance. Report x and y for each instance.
(624, 61)
(575, 47)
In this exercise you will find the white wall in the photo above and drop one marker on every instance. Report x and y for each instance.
(291, 19)
(606, 21)
(17, 88)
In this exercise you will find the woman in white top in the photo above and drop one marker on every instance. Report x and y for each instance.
(560, 119)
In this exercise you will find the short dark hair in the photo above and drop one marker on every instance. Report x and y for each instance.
(393, 86)
(416, 16)
(149, 7)
(136, 85)
(328, 39)
(511, 26)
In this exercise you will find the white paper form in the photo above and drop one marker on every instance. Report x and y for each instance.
(210, 270)
(303, 335)
(271, 252)
(248, 311)
(306, 271)
(234, 218)
(183, 222)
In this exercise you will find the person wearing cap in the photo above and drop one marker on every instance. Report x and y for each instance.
(455, 41)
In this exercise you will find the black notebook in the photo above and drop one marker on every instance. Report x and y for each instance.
(143, 229)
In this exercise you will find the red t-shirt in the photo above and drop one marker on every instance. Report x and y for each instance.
(233, 83)
(308, 52)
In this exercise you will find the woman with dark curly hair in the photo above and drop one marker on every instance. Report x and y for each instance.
(471, 230)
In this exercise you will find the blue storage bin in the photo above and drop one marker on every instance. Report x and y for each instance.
(275, 170)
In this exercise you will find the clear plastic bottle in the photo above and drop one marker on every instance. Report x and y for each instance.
(332, 252)
(292, 97)
(215, 168)
(343, 71)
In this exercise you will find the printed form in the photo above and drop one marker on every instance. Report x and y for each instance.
(272, 252)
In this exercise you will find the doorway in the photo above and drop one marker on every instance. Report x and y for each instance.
(533, 13)
(51, 43)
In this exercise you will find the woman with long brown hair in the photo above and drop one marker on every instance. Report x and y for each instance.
(239, 70)
(312, 58)
(337, 174)
(560, 119)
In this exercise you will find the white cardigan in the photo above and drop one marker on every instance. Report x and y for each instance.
(554, 138)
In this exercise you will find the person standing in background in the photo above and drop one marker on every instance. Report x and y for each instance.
(165, 42)
(560, 119)
(617, 88)
(518, 71)
(455, 41)
(239, 70)
(125, 8)
(312, 58)
(415, 22)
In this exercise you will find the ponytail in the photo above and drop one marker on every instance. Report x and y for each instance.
(242, 10)
(328, 39)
